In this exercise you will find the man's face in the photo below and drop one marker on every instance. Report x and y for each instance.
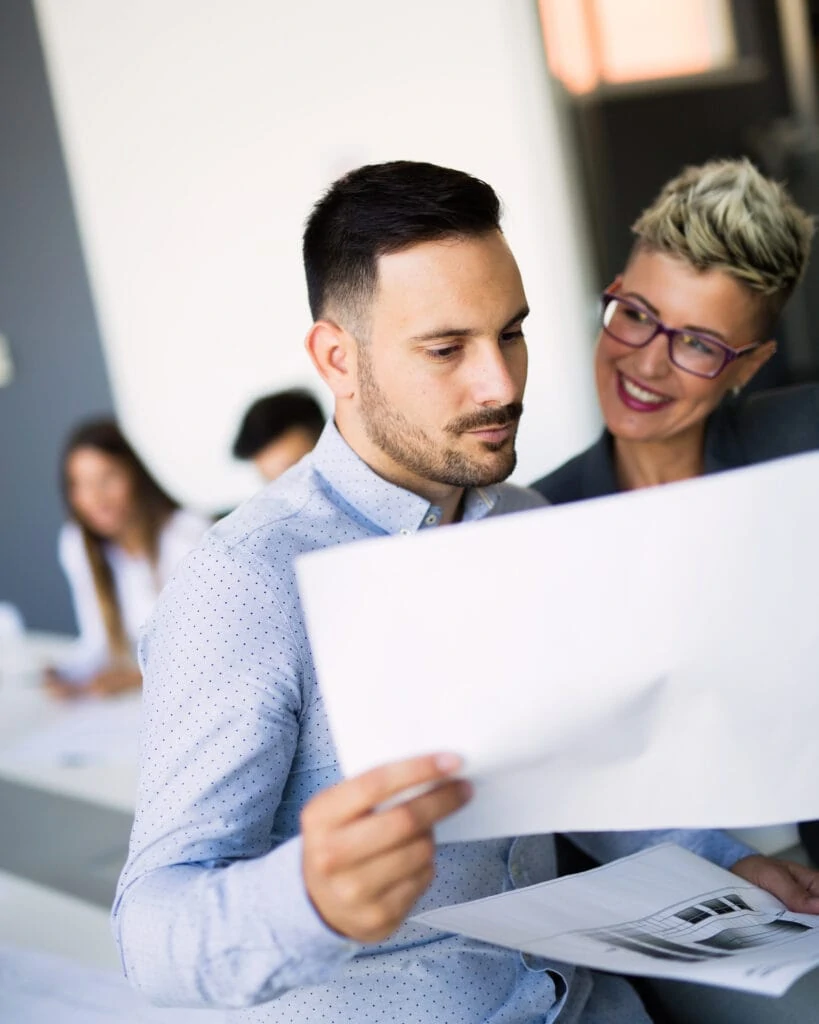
(283, 453)
(442, 372)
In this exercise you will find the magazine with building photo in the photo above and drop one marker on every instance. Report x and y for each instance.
(664, 912)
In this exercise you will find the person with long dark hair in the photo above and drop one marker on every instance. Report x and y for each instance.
(124, 537)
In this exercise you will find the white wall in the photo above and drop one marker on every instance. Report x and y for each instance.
(199, 132)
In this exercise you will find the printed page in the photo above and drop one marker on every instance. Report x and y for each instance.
(661, 913)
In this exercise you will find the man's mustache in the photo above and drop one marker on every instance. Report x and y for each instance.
(485, 418)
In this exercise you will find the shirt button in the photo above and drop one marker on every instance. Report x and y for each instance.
(431, 519)
(405, 533)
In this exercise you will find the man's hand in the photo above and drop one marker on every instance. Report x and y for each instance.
(364, 868)
(795, 885)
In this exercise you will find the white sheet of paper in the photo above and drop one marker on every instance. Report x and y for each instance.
(647, 660)
(663, 913)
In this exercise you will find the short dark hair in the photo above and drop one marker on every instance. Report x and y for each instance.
(271, 416)
(384, 208)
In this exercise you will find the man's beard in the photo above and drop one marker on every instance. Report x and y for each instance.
(410, 447)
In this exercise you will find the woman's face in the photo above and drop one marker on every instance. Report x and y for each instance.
(643, 395)
(100, 491)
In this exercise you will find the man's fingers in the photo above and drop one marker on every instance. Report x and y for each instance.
(358, 796)
(366, 883)
(381, 918)
(378, 833)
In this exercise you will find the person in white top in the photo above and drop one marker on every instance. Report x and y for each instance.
(123, 540)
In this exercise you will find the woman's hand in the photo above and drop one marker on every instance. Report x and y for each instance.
(107, 683)
(112, 681)
(59, 688)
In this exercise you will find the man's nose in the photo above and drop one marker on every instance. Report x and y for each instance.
(493, 381)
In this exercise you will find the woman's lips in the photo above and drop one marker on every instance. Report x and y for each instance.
(639, 398)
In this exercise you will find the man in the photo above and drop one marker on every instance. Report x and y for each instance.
(255, 876)
(278, 430)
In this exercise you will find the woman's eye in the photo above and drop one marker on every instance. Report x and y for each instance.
(701, 345)
(637, 315)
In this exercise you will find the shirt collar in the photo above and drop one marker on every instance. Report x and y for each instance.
(389, 507)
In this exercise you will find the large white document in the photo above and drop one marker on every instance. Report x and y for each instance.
(662, 913)
(647, 660)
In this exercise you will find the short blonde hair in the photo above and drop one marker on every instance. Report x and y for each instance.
(726, 215)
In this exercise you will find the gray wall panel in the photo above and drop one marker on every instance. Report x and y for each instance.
(47, 314)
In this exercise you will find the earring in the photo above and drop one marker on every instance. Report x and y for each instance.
(735, 390)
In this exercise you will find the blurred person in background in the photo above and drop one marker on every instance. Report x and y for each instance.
(124, 537)
(684, 328)
(277, 430)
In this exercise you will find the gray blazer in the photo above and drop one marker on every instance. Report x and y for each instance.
(739, 432)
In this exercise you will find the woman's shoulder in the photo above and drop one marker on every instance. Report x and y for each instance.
(588, 475)
(70, 546)
(782, 421)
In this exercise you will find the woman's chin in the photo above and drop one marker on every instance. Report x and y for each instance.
(630, 426)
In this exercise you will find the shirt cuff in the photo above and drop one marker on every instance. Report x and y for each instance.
(313, 941)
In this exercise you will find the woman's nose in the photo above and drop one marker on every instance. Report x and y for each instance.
(652, 360)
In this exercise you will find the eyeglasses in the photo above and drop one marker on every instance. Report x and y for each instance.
(699, 354)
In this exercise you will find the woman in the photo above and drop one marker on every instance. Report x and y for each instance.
(123, 540)
(684, 328)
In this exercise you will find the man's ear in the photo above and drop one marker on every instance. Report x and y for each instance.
(750, 365)
(333, 352)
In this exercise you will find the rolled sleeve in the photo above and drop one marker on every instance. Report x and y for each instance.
(211, 907)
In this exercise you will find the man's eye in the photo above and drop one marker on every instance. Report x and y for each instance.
(443, 353)
(513, 335)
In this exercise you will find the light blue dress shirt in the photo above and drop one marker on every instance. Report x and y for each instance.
(211, 908)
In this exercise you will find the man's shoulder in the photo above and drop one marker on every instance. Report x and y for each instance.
(280, 509)
(512, 498)
(246, 560)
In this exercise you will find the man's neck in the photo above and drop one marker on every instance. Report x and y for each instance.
(648, 463)
(450, 500)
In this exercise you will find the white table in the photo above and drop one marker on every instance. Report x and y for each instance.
(36, 730)
(38, 917)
